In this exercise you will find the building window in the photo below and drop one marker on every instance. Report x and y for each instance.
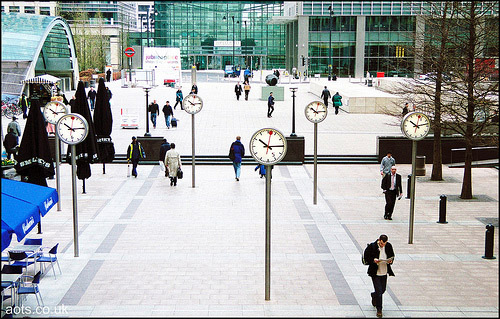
(29, 10)
(13, 9)
(45, 11)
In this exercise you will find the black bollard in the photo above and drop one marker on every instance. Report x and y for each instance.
(488, 246)
(408, 188)
(442, 209)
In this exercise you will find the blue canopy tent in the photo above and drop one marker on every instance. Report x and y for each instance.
(22, 205)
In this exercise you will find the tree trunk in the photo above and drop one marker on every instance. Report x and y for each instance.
(437, 158)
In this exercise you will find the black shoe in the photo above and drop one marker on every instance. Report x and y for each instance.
(379, 313)
(385, 216)
(237, 179)
(171, 183)
(389, 218)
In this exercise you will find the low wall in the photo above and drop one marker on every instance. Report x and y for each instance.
(357, 98)
(401, 149)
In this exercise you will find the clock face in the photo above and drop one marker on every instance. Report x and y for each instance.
(72, 128)
(268, 146)
(415, 125)
(316, 111)
(53, 111)
(192, 103)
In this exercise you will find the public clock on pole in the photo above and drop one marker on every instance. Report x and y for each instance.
(53, 111)
(268, 146)
(415, 125)
(72, 128)
(192, 103)
(316, 111)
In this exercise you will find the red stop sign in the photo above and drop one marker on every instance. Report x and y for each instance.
(129, 52)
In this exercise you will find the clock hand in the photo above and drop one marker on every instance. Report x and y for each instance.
(314, 110)
(276, 146)
(269, 141)
(191, 102)
(265, 145)
(68, 126)
(53, 111)
(416, 125)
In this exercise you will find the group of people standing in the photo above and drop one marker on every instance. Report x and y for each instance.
(336, 99)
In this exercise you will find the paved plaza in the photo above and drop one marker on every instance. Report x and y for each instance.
(147, 249)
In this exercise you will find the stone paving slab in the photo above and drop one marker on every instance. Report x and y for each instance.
(151, 250)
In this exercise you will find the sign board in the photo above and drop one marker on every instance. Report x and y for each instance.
(129, 52)
(165, 61)
(227, 43)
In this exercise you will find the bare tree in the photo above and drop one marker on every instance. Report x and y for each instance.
(474, 40)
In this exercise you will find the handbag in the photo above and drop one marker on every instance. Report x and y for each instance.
(180, 173)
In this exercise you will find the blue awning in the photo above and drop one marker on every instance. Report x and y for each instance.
(23, 204)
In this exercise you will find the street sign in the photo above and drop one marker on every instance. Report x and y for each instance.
(129, 52)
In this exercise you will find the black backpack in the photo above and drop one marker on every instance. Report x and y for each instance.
(231, 153)
(363, 256)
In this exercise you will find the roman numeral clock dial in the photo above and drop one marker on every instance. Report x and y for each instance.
(268, 146)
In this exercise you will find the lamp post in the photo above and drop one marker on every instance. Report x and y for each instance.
(142, 66)
(330, 46)
(293, 111)
(232, 60)
(148, 22)
(146, 89)
(246, 58)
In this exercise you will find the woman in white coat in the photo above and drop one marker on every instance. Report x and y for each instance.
(172, 163)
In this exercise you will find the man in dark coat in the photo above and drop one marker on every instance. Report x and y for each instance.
(24, 105)
(91, 96)
(238, 89)
(379, 256)
(194, 88)
(237, 151)
(134, 153)
(154, 109)
(168, 112)
(10, 142)
(325, 95)
(165, 146)
(391, 184)
(108, 75)
(110, 95)
(270, 105)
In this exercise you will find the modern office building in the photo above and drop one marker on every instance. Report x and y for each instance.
(213, 34)
(47, 8)
(366, 36)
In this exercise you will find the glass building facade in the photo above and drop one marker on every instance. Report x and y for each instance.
(205, 31)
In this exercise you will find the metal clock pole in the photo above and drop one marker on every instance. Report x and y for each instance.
(268, 232)
(58, 182)
(193, 161)
(412, 190)
(75, 198)
(315, 197)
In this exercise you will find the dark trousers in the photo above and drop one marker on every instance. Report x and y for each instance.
(173, 180)
(390, 201)
(246, 95)
(177, 102)
(134, 166)
(238, 96)
(270, 110)
(379, 284)
(326, 102)
(336, 110)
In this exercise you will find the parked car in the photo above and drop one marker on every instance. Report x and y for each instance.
(431, 76)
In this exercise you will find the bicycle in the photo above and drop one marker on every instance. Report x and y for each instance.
(11, 109)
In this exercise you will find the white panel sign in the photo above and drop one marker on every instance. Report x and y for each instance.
(227, 43)
(165, 61)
